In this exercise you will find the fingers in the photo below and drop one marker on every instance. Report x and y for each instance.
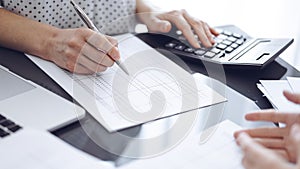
(295, 140)
(90, 65)
(201, 29)
(182, 24)
(93, 55)
(265, 132)
(253, 152)
(272, 143)
(155, 24)
(295, 98)
(103, 45)
(271, 116)
(213, 31)
(84, 51)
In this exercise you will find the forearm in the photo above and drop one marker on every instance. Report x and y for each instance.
(25, 35)
(144, 6)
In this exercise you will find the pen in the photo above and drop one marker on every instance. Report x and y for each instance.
(91, 25)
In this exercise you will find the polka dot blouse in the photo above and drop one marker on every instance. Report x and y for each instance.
(110, 16)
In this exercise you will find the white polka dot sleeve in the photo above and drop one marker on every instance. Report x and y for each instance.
(110, 16)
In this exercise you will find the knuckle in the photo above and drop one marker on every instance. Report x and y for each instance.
(113, 40)
(183, 11)
(175, 13)
(69, 54)
(76, 42)
(197, 23)
(80, 31)
(186, 28)
(70, 66)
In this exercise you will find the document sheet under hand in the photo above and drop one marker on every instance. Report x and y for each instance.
(218, 151)
(120, 101)
(273, 89)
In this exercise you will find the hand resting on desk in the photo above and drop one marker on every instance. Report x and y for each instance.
(272, 147)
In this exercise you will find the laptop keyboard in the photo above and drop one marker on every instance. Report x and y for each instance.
(226, 43)
(7, 127)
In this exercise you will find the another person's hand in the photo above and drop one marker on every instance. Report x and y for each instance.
(257, 156)
(161, 22)
(273, 137)
(83, 51)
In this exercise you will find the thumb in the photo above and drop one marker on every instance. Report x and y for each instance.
(159, 25)
(295, 140)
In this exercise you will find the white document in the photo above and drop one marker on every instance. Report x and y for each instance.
(219, 151)
(32, 149)
(294, 83)
(274, 89)
(106, 101)
(266, 94)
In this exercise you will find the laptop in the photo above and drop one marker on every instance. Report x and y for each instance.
(27, 148)
(234, 47)
(30, 105)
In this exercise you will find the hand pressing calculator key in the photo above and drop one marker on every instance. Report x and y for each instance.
(232, 47)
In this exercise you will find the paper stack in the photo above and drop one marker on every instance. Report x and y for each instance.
(273, 89)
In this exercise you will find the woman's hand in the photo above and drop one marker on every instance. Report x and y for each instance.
(275, 138)
(161, 22)
(257, 156)
(83, 51)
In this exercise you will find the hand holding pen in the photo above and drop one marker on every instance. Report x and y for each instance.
(107, 45)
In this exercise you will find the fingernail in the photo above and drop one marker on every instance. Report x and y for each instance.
(115, 54)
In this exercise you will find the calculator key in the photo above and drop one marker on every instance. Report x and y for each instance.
(232, 39)
(221, 36)
(239, 42)
(227, 42)
(221, 46)
(229, 49)
(215, 50)
(220, 55)
(234, 45)
(170, 45)
(180, 47)
(14, 128)
(209, 54)
(199, 52)
(178, 32)
(2, 117)
(227, 33)
(3, 133)
(218, 40)
(189, 50)
(6, 123)
(238, 36)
